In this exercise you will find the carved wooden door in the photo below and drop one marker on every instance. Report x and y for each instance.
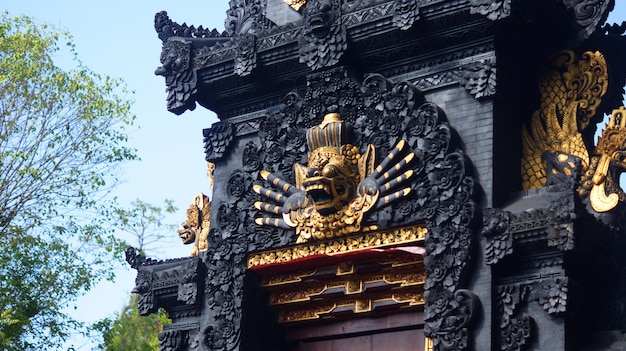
(397, 332)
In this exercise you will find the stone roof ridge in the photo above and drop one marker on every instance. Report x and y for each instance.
(166, 28)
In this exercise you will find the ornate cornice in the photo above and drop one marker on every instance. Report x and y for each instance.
(554, 224)
(179, 282)
(588, 14)
(495, 10)
(377, 239)
(252, 38)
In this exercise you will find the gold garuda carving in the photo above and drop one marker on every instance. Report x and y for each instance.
(195, 230)
(337, 188)
(571, 90)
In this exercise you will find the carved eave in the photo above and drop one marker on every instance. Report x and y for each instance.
(175, 285)
(255, 59)
(257, 67)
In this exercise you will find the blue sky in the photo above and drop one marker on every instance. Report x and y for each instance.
(117, 38)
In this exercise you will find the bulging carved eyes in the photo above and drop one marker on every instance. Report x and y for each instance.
(329, 171)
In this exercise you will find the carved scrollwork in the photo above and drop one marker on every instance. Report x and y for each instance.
(217, 139)
(499, 237)
(479, 78)
(172, 340)
(245, 60)
(589, 14)
(515, 330)
(188, 288)
(250, 158)
(493, 9)
(244, 17)
(451, 316)
(405, 13)
(561, 228)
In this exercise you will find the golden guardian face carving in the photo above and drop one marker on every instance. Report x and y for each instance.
(337, 187)
(601, 181)
(195, 230)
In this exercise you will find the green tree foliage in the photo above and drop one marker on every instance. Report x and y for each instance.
(145, 226)
(62, 138)
(129, 331)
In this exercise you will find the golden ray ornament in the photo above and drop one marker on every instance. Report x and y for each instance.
(337, 187)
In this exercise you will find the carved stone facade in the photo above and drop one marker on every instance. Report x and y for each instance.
(367, 178)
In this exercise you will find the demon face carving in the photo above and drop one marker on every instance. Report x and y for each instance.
(338, 186)
(195, 230)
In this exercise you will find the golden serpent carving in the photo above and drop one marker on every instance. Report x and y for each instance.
(571, 89)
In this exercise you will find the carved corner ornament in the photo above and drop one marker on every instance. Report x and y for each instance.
(180, 78)
(554, 150)
(246, 57)
(195, 230)
(405, 13)
(479, 78)
(493, 9)
(325, 37)
(338, 186)
(516, 328)
(499, 237)
(217, 140)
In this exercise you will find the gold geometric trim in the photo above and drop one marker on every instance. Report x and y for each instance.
(358, 305)
(369, 240)
(286, 278)
(346, 287)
